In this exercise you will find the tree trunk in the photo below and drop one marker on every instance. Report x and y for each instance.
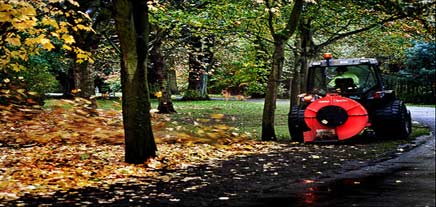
(195, 80)
(280, 38)
(295, 85)
(268, 132)
(200, 61)
(131, 19)
(84, 79)
(66, 81)
(161, 77)
(172, 82)
(307, 47)
(196, 70)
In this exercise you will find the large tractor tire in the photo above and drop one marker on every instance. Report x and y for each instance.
(393, 121)
(296, 124)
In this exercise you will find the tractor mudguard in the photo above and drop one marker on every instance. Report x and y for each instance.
(334, 118)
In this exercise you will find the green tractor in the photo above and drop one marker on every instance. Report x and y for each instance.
(343, 98)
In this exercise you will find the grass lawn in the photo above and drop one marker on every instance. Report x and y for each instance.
(243, 115)
(422, 105)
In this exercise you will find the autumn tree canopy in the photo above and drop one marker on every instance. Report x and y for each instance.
(28, 27)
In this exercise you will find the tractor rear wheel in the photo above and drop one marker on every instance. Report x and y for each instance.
(393, 121)
(296, 124)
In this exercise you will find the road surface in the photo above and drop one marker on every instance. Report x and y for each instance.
(408, 180)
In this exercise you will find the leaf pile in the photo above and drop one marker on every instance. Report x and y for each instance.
(62, 127)
(65, 148)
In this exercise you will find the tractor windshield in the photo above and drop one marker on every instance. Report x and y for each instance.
(343, 79)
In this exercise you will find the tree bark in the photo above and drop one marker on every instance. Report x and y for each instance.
(84, 79)
(200, 62)
(197, 72)
(131, 19)
(161, 77)
(172, 82)
(306, 49)
(268, 132)
(295, 85)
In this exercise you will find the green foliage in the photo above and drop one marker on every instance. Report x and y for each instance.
(377, 43)
(422, 58)
(419, 130)
(416, 82)
(256, 89)
(112, 82)
(241, 65)
(194, 95)
(40, 80)
(43, 68)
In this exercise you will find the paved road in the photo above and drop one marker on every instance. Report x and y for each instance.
(408, 180)
(414, 183)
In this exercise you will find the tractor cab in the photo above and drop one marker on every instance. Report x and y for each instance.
(356, 78)
(343, 97)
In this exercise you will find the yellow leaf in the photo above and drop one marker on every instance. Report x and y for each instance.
(69, 39)
(62, 30)
(222, 127)
(5, 7)
(50, 22)
(158, 94)
(200, 132)
(82, 56)
(20, 54)
(28, 11)
(217, 116)
(4, 16)
(47, 45)
(17, 67)
(15, 41)
(4, 61)
(66, 47)
(30, 41)
(74, 3)
(54, 34)
(25, 24)
(212, 135)
(83, 27)
(315, 157)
